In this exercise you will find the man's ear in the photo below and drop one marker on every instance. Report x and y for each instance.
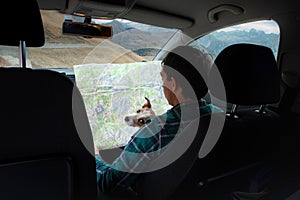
(173, 84)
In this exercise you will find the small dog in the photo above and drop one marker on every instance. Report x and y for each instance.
(141, 116)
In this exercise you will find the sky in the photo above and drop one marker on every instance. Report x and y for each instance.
(268, 26)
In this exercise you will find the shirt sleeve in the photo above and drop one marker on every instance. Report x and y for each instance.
(107, 177)
(123, 172)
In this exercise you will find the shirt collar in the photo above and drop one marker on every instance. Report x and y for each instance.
(192, 103)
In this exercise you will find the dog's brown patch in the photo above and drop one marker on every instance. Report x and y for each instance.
(141, 116)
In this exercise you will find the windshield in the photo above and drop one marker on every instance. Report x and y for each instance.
(131, 42)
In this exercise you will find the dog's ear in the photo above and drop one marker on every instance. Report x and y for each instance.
(148, 104)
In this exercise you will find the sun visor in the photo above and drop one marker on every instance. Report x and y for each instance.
(24, 24)
(99, 8)
(127, 9)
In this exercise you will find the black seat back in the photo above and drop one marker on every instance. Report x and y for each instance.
(46, 142)
(249, 73)
(248, 139)
(161, 184)
(251, 79)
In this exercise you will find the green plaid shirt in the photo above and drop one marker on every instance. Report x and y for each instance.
(151, 137)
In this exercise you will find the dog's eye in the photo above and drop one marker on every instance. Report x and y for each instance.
(138, 111)
(142, 121)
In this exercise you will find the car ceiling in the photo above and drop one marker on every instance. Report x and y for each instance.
(198, 11)
(191, 16)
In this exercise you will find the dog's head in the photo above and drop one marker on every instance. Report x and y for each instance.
(140, 117)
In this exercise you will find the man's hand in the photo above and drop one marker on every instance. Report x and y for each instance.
(96, 150)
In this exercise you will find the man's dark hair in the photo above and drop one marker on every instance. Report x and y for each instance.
(189, 66)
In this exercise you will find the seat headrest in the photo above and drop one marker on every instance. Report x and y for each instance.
(249, 73)
(24, 23)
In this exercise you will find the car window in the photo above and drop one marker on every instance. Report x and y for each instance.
(263, 32)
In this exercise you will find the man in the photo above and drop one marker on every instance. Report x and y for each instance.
(184, 87)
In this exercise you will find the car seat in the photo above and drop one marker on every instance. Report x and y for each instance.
(46, 143)
(249, 135)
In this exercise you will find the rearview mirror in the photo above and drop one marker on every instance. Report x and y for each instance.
(85, 29)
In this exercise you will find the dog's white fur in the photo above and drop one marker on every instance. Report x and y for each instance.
(140, 117)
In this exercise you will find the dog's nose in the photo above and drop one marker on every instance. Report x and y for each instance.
(126, 119)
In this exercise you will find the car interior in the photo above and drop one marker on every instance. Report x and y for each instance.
(70, 70)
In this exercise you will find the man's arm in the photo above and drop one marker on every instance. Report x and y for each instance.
(123, 172)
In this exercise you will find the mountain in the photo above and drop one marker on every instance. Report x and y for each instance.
(118, 27)
(74, 50)
(4, 62)
(217, 41)
(144, 40)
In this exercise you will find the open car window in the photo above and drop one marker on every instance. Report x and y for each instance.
(263, 32)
